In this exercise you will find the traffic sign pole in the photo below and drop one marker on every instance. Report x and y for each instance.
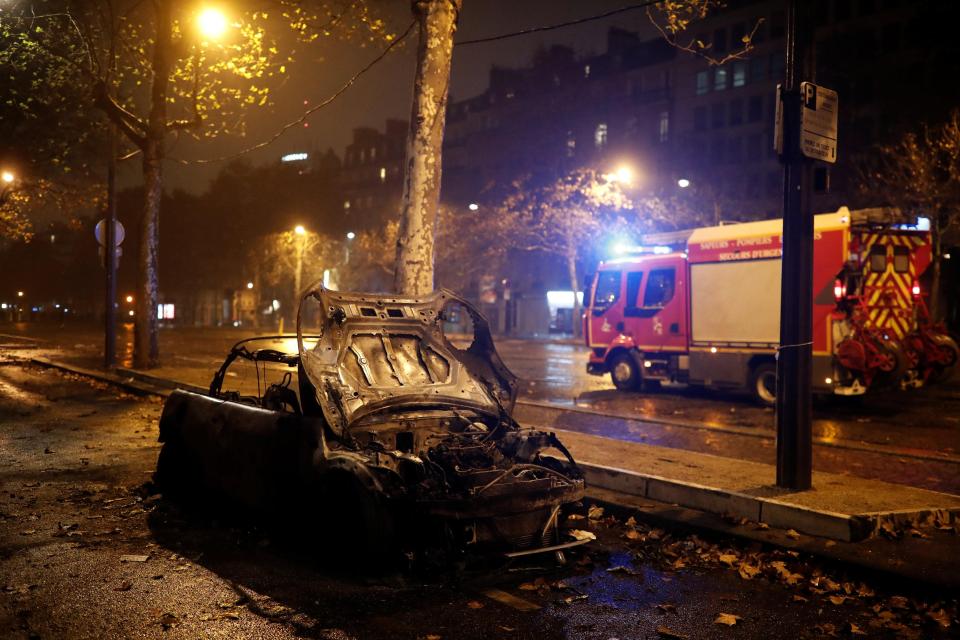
(795, 354)
(110, 259)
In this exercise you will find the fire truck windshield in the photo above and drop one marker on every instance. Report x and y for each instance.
(607, 290)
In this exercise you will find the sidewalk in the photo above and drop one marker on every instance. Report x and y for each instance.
(839, 507)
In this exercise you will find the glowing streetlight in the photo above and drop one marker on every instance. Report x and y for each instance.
(8, 177)
(249, 285)
(212, 23)
(129, 298)
(299, 230)
(351, 235)
(473, 206)
(19, 294)
(683, 183)
(623, 174)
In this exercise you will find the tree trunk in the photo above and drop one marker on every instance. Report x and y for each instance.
(413, 274)
(146, 349)
(575, 286)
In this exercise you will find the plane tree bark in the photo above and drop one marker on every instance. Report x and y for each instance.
(413, 272)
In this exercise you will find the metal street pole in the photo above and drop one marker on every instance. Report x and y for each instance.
(110, 258)
(794, 362)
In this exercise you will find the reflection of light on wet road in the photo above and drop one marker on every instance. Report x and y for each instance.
(827, 431)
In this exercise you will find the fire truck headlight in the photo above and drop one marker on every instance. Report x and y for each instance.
(915, 290)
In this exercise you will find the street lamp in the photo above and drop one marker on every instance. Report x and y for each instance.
(299, 230)
(212, 23)
(473, 206)
(8, 177)
(351, 235)
(129, 298)
(624, 174)
(683, 183)
(249, 285)
(19, 294)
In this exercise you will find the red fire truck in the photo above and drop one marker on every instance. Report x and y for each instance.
(708, 312)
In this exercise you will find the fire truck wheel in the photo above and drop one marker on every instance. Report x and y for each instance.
(763, 383)
(624, 372)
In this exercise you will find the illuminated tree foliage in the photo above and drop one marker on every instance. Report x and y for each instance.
(673, 19)
(565, 218)
(920, 175)
(156, 73)
(46, 141)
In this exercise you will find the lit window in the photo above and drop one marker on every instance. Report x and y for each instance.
(373, 153)
(703, 82)
(586, 71)
(664, 125)
(720, 79)
(383, 174)
(739, 73)
(600, 135)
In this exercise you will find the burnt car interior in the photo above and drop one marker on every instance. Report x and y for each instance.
(397, 418)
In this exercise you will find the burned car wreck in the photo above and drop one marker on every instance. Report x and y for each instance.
(395, 437)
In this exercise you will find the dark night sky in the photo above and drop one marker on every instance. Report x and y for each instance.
(386, 90)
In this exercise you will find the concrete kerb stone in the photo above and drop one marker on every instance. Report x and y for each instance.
(166, 383)
(776, 514)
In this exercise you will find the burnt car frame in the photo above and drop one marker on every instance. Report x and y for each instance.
(397, 439)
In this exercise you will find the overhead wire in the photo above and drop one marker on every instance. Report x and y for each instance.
(306, 114)
(391, 46)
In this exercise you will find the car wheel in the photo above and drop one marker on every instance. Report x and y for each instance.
(763, 383)
(624, 372)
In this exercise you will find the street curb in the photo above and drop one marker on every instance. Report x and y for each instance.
(775, 513)
(826, 524)
(851, 554)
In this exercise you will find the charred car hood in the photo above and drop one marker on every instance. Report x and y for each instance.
(381, 353)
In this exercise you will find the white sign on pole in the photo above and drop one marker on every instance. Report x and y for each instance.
(818, 122)
(100, 231)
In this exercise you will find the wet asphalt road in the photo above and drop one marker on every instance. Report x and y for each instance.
(910, 437)
(74, 460)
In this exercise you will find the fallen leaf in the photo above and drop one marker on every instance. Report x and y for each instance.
(865, 592)
(837, 600)
(793, 534)
(633, 534)
(595, 512)
(126, 585)
(830, 543)
(229, 615)
(432, 636)
(747, 571)
(28, 532)
(899, 602)
(631, 521)
(622, 569)
(527, 586)
(916, 533)
(666, 607)
(728, 619)
(575, 516)
(940, 617)
(799, 598)
(473, 604)
(728, 559)
(856, 631)
(581, 535)
(667, 632)
(762, 526)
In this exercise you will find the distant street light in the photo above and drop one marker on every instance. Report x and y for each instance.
(683, 183)
(473, 206)
(299, 230)
(351, 235)
(212, 23)
(8, 176)
(129, 298)
(249, 285)
(19, 294)
(624, 174)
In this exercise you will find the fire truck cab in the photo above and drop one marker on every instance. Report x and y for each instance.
(708, 312)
